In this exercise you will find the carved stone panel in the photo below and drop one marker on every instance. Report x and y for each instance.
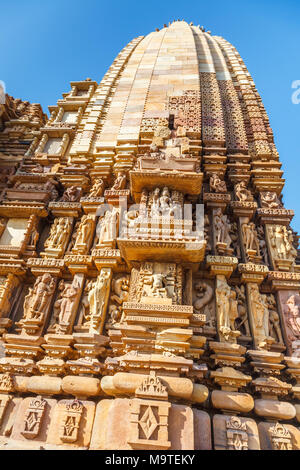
(278, 436)
(72, 423)
(157, 283)
(280, 242)
(149, 424)
(235, 433)
(289, 303)
(204, 302)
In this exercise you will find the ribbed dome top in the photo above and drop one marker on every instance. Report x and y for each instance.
(180, 60)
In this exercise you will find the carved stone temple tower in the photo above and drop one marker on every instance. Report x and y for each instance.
(126, 323)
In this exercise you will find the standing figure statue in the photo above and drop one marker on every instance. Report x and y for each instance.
(98, 298)
(84, 232)
(120, 182)
(222, 228)
(38, 298)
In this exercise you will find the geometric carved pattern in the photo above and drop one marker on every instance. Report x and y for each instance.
(149, 424)
(71, 418)
(237, 437)
(33, 417)
(280, 437)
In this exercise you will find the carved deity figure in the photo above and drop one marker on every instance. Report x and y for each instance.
(222, 228)
(270, 200)
(108, 226)
(59, 233)
(274, 320)
(242, 320)
(97, 189)
(203, 300)
(34, 236)
(39, 297)
(260, 312)
(97, 298)
(71, 194)
(161, 280)
(120, 292)
(157, 283)
(64, 305)
(250, 237)
(292, 313)
(262, 244)
(155, 205)
(162, 203)
(120, 182)
(242, 193)
(227, 310)
(84, 232)
(216, 185)
(282, 242)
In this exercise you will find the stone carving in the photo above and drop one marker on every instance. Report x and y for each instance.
(2, 225)
(274, 319)
(152, 387)
(33, 236)
(157, 283)
(187, 110)
(282, 249)
(270, 200)
(203, 301)
(227, 311)
(149, 424)
(65, 305)
(120, 293)
(4, 401)
(71, 194)
(216, 185)
(108, 227)
(260, 313)
(222, 230)
(236, 433)
(251, 243)
(6, 383)
(97, 189)
(262, 244)
(207, 232)
(292, 316)
(33, 418)
(120, 181)
(233, 233)
(98, 294)
(242, 320)
(84, 235)
(70, 421)
(59, 233)
(37, 301)
(280, 436)
(162, 204)
(242, 193)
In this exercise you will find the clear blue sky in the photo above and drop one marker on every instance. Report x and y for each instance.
(46, 44)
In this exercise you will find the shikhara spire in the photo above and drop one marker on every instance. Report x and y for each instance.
(149, 279)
